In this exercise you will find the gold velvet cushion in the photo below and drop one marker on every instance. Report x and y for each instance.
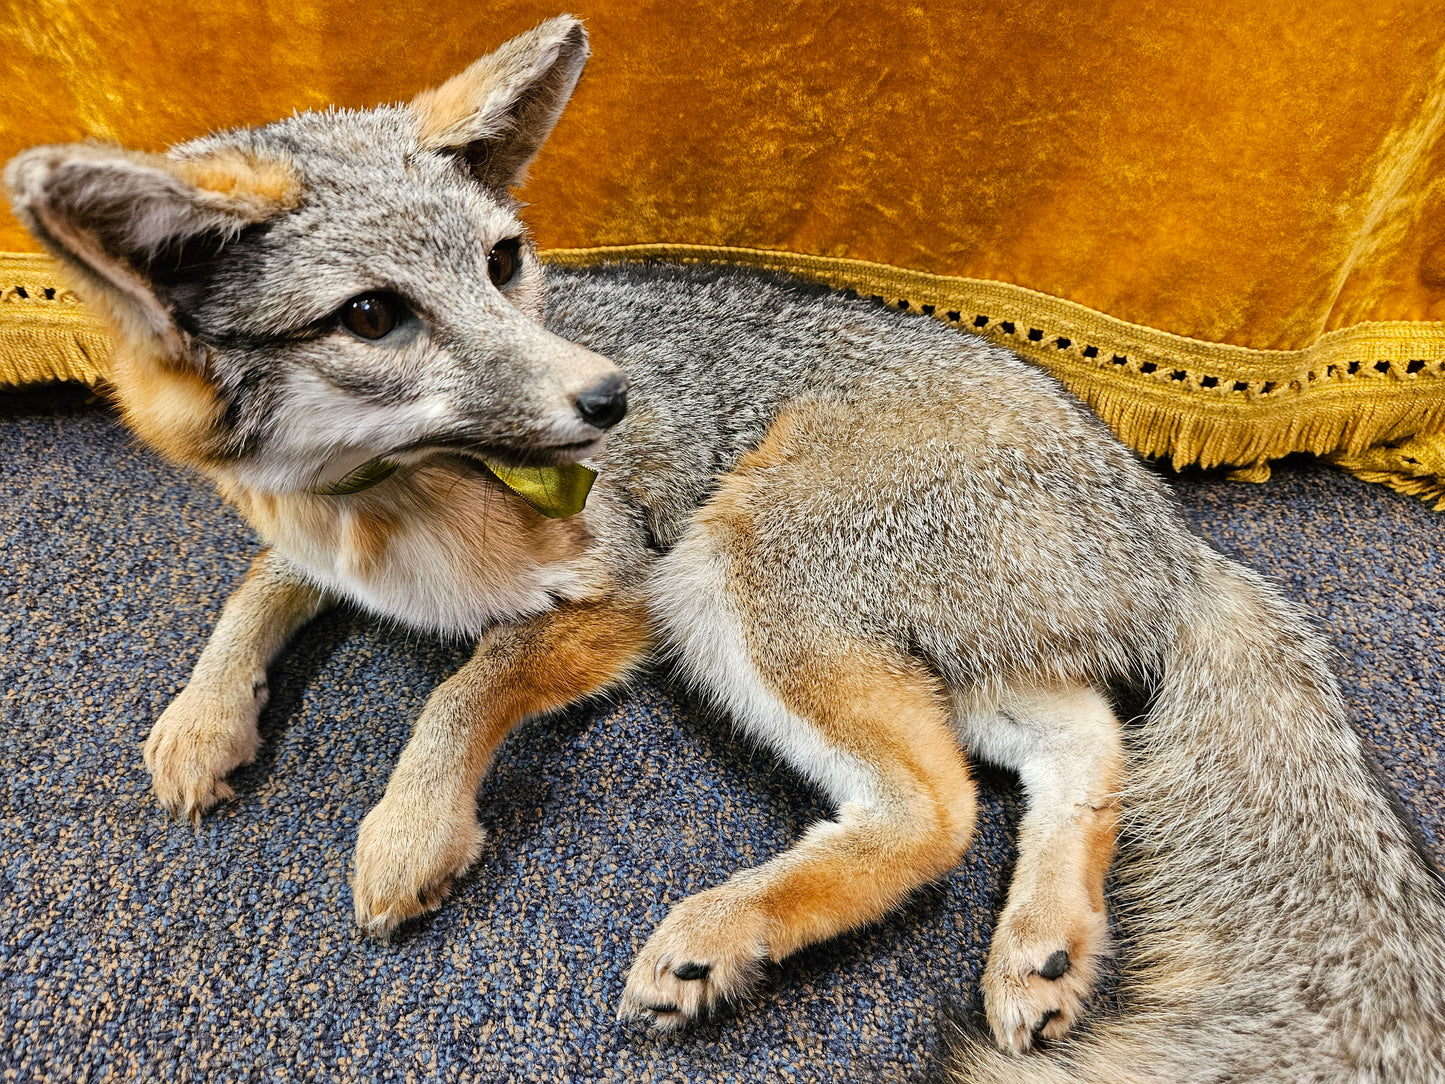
(1222, 225)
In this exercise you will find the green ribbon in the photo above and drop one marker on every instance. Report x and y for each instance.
(556, 492)
(363, 477)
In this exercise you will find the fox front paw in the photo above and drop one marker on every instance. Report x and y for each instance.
(1039, 974)
(408, 854)
(708, 951)
(198, 741)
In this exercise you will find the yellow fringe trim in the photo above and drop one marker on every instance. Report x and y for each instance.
(1415, 467)
(46, 334)
(1354, 396)
(1370, 397)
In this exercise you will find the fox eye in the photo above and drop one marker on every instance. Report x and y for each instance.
(373, 315)
(503, 260)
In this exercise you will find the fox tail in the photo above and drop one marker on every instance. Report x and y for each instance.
(1285, 925)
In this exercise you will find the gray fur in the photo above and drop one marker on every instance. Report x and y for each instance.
(961, 508)
(1032, 513)
(1286, 927)
(374, 208)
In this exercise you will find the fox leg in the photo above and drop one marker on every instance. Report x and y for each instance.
(871, 729)
(210, 728)
(1065, 744)
(424, 831)
(877, 738)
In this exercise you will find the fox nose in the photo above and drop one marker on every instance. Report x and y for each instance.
(604, 403)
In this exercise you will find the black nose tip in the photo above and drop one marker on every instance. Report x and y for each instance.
(604, 404)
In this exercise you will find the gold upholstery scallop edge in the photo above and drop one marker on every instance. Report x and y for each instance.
(1370, 397)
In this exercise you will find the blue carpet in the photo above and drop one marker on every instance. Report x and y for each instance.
(135, 949)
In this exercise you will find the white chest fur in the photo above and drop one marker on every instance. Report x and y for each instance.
(438, 550)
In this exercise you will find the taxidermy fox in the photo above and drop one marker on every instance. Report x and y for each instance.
(875, 542)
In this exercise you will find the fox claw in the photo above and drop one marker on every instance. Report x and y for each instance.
(408, 856)
(1033, 991)
(721, 948)
(199, 740)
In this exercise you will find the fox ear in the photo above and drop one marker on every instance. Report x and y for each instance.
(125, 223)
(499, 112)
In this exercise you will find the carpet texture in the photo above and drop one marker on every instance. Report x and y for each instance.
(135, 949)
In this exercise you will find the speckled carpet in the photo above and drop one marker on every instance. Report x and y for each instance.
(135, 949)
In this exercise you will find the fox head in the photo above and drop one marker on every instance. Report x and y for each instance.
(289, 302)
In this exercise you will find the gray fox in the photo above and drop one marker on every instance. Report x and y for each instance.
(876, 543)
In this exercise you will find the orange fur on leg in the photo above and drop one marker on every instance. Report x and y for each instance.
(843, 873)
(424, 832)
(1052, 935)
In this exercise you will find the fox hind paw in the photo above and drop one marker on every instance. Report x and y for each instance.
(1035, 987)
(707, 953)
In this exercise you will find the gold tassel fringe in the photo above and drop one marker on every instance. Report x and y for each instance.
(1370, 397)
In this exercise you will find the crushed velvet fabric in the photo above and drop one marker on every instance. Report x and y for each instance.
(1244, 201)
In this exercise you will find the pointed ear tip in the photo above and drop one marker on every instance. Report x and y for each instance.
(571, 29)
(25, 169)
(24, 176)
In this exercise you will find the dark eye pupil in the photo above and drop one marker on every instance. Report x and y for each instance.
(371, 315)
(502, 262)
